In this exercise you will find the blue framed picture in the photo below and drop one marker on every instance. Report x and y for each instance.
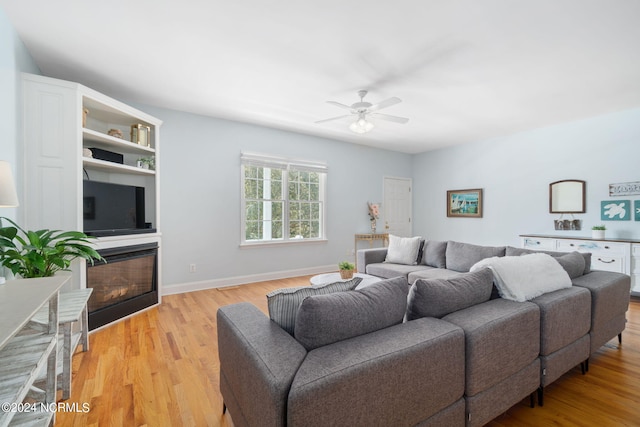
(636, 209)
(619, 210)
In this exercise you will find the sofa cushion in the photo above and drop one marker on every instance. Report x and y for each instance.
(434, 254)
(521, 278)
(513, 251)
(461, 256)
(431, 273)
(325, 319)
(439, 297)
(403, 250)
(573, 264)
(284, 303)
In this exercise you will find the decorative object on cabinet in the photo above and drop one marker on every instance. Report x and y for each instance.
(567, 224)
(597, 232)
(464, 203)
(624, 189)
(85, 113)
(567, 196)
(86, 152)
(346, 269)
(140, 134)
(42, 253)
(374, 213)
(615, 211)
(117, 133)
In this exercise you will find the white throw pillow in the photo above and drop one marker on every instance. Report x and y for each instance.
(403, 250)
(521, 278)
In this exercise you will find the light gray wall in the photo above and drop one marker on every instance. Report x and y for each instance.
(200, 196)
(14, 59)
(515, 172)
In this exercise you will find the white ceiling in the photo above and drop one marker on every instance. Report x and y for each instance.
(466, 70)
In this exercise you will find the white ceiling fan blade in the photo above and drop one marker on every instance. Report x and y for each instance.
(333, 118)
(387, 117)
(337, 104)
(386, 103)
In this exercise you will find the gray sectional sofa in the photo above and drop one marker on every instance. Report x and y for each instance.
(432, 345)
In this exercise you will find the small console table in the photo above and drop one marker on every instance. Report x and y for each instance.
(25, 352)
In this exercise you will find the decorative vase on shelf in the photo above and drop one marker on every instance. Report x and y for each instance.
(597, 234)
(373, 226)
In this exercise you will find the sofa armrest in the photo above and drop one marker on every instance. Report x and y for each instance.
(258, 361)
(370, 256)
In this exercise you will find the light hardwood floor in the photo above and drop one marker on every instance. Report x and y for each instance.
(160, 368)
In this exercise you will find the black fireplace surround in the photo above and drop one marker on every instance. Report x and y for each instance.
(126, 283)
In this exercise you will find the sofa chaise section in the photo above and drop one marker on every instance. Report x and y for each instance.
(385, 378)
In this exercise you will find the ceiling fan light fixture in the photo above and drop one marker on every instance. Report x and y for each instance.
(361, 125)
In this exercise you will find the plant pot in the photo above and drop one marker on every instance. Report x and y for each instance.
(597, 234)
(346, 274)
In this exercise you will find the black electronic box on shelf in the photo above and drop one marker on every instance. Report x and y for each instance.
(106, 155)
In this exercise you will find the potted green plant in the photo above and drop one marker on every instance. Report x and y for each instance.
(147, 163)
(43, 253)
(597, 232)
(346, 269)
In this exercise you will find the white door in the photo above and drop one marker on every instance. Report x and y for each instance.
(397, 206)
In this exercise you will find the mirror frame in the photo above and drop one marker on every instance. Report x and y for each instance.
(580, 197)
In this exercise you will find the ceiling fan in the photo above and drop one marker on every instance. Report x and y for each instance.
(363, 110)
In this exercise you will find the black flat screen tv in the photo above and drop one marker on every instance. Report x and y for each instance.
(113, 209)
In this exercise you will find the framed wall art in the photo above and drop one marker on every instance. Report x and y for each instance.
(464, 203)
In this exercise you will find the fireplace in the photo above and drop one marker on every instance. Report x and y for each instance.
(126, 283)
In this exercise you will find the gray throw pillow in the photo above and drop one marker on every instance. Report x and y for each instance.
(512, 251)
(573, 264)
(284, 303)
(462, 256)
(434, 254)
(439, 297)
(325, 319)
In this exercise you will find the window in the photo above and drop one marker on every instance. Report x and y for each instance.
(282, 199)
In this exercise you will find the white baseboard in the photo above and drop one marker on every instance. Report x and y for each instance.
(243, 280)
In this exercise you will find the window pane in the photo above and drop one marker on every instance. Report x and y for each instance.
(276, 230)
(294, 211)
(253, 211)
(254, 230)
(276, 189)
(315, 229)
(277, 211)
(315, 211)
(314, 192)
(293, 191)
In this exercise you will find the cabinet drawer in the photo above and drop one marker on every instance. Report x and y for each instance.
(605, 248)
(539, 243)
(602, 262)
(635, 250)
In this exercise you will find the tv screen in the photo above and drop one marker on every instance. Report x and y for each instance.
(112, 209)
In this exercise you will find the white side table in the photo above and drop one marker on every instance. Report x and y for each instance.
(323, 279)
(72, 306)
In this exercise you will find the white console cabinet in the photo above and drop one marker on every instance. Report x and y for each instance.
(617, 255)
(61, 121)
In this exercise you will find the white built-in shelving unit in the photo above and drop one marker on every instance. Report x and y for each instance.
(61, 119)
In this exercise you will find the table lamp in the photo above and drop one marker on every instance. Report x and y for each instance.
(8, 196)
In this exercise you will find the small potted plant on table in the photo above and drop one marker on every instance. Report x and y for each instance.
(346, 269)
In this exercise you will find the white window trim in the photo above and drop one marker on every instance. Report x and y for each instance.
(265, 160)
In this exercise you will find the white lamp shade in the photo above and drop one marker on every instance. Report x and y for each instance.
(8, 196)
